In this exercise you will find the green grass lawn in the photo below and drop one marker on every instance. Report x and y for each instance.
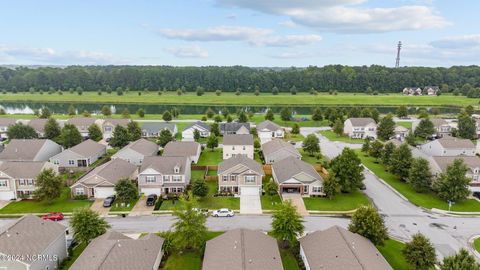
(209, 157)
(329, 134)
(256, 157)
(427, 200)
(197, 174)
(270, 202)
(76, 251)
(116, 207)
(212, 173)
(392, 252)
(294, 137)
(476, 244)
(209, 202)
(63, 204)
(307, 158)
(341, 202)
(288, 260)
(405, 124)
(246, 99)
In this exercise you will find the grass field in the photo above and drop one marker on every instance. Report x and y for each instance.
(405, 124)
(76, 251)
(288, 260)
(392, 252)
(63, 204)
(329, 134)
(476, 244)
(116, 207)
(341, 202)
(209, 157)
(246, 99)
(270, 202)
(427, 200)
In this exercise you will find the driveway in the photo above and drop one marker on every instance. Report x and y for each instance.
(3, 203)
(297, 201)
(97, 206)
(141, 208)
(250, 204)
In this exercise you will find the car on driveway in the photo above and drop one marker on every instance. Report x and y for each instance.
(55, 216)
(223, 212)
(151, 199)
(109, 201)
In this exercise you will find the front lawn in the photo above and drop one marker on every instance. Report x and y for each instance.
(427, 200)
(117, 205)
(75, 253)
(392, 252)
(209, 157)
(288, 260)
(341, 202)
(209, 202)
(309, 159)
(329, 134)
(63, 204)
(294, 137)
(270, 202)
(476, 244)
(407, 124)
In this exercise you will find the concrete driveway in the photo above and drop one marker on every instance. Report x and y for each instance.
(297, 201)
(97, 206)
(141, 208)
(250, 204)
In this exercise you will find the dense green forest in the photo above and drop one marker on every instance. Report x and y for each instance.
(237, 78)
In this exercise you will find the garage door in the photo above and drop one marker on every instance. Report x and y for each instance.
(148, 191)
(103, 192)
(7, 195)
(250, 190)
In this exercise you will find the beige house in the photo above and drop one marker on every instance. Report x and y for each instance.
(442, 127)
(33, 244)
(242, 249)
(240, 175)
(449, 146)
(38, 124)
(439, 165)
(100, 182)
(82, 124)
(108, 126)
(117, 251)
(17, 178)
(5, 123)
(162, 175)
(83, 154)
(278, 149)
(30, 150)
(296, 176)
(267, 130)
(135, 152)
(191, 150)
(237, 144)
(360, 128)
(340, 249)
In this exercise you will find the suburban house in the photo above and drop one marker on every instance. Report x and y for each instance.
(100, 182)
(278, 149)
(114, 250)
(17, 178)
(401, 132)
(135, 152)
(267, 130)
(234, 128)
(449, 147)
(439, 165)
(82, 124)
(202, 127)
(83, 154)
(108, 126)
(153, 129)
(296, 176)
(192, 150)
(241, 249)
(477, 125)
(237, 144)
(240, 175)
(412, 91)
(442, 127)
(431, 90)
(339, 249)
(38, 124)
(5, 123)
(163, 175)
(30, 150)
(33, 238)
(360, 128)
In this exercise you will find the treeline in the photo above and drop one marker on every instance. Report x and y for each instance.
(237, 78)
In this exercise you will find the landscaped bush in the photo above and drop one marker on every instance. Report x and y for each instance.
(80, 197)
(223, 194)
(158, 204)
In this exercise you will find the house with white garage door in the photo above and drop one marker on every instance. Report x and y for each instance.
(100, 182)
(267, 130)
(202, 128)
(191, 150)
(135, 152)
(240, 175)
(237, 144)
(162, 175)
(296, 176)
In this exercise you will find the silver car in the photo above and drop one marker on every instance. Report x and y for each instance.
(223, 212)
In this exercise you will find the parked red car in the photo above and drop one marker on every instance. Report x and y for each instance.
(55, 216)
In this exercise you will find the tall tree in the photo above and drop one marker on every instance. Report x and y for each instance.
(295, 128)
(467, 127)
(134, 131)
(87, 225)
(287, 224)
(376, 149)
(45, 113)
(401, 161)
(167, 116)
(420, 177)
(317, 114)
(125, 113)
(338, 127)
(387, 153)
(71, 110)
(141, 113)
(164, 137)
(189, 227)
(209, 113)
(48, 185)
(52, 129)
(386, 128)
(242, 117)
(120, 137)
(420, 253)
(126, 190)
(367, 222)
(460, 261)
(311, 145)
(402, 111)
(106, 111)
(347, 169)
(199, 188)
(285, 114)
(212, 141)
(215, 129)
(452, 185)
(269, 115)
(21, 131)
(70, 136)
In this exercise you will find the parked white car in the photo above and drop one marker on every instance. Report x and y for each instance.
(223, 212)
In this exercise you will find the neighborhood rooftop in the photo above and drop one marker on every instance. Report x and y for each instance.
(154, 127)
(22, 149)
(87, 148)
(238, 139)
(22, 169)
(442, 163)
(240, 159)
(199, 123)
(38, 124)
(360, 122)
(5, 121)
(82, 121)
(233, 126)
(455, 143)
(289, 167)
(277, 144)
(142, 146)
(111, 172)
(179, 149)
(268, 125)
(117, 121)
(165, 165)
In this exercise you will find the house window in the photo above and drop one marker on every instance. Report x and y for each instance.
(71, 162)
(166, 178)
(30, 182)
(150, 179)
(56, 161)
(79, 191)
(225, 178)
(249, 178)
(108, 128)
(21, 182)
(305, 189)
(233, 178)
(317, 189)
(3, 183)
(176, 190)
(233, 147)
(176, 169)
(177, 178)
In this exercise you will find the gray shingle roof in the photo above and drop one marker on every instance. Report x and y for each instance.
(117, 121)
(268, 125)
(115, 251)
(360, 122)
(38, 124)
(339, 249)
(437, 122)
(29, 235)
(81, 122)
(22, 169)
(455, 143)
(22, 149)
(111, 171)
(181, 149)
(277, 144)
(233, 126)
(443, 162)
(156, 127)
(242, 249)
(238, 139)
(165, 165)
(289, 167)
(88, 148)
(240, 159)
(199, 123)
(144, 147)
(5, 121)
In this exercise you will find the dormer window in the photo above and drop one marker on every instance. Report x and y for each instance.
(176, 169)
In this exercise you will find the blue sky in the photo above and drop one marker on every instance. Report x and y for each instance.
(240, 32)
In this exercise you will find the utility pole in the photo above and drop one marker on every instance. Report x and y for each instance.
(399, 47)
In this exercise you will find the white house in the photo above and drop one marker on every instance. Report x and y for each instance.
(135, 152)
(202, 127)
(163, 175)
(237, 144)
(5, 123)
(431, 90)
(83, 154)
(278, 149)
(442, 127)
(449, 147)
(108, 126)
(240, 175)
(412, 91)
(30, 150)
(360, 128)
(267, 130)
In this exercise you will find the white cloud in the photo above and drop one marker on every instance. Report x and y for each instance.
(188, 51)
(345, 16)
(458, 42)
(219, 33)
(288, 24)
(291, 55)
(286, 41)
